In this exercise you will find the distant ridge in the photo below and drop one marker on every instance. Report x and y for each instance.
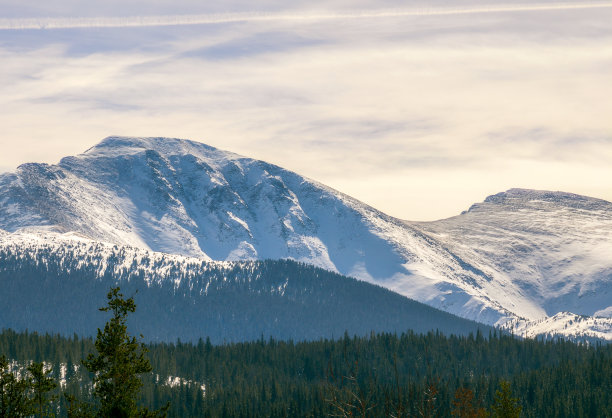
(56, 286)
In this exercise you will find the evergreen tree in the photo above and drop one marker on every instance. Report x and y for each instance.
(14, 401)
(41, 385)
(78, 409)
(119, 361)
(505, 405)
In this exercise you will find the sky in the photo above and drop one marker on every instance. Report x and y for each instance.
(418, 109)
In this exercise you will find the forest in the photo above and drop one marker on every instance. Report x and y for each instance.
(387, 375)
(227, 302)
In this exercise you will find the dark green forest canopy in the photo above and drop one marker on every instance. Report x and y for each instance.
(59, 293)
(284, 378)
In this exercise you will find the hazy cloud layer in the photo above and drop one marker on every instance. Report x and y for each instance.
(417, 115)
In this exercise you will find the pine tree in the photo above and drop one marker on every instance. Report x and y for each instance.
(41, 384)
(119, 361)
(14, 401)
(505, 405)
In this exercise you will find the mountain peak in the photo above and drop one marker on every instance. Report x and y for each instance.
(517, 198)
(531, 194)
(115, 145)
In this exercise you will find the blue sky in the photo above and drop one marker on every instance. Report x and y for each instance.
(413, 108)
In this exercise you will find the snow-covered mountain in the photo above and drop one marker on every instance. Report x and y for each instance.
(519, 258)
(544, 254)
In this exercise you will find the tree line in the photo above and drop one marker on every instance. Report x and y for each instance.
(405, 375)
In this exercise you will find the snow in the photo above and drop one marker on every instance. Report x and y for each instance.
(154, 266)
(519, 257)
(607, 313)
(565, 324)
(543, 252)
(176, 381)
(62, 375)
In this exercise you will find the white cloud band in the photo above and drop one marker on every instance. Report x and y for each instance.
(201, 19)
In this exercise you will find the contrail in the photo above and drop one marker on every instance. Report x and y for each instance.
(176, 20)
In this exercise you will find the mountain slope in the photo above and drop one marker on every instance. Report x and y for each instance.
(520, 256)
(563, 243)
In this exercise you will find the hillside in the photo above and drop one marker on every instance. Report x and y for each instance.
(57, 286)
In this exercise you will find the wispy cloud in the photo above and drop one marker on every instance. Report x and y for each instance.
(217, 18)
(418, 115)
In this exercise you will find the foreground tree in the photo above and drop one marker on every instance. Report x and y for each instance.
(118, 364)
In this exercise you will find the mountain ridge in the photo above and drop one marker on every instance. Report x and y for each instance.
(183, 197)
(520, 198)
